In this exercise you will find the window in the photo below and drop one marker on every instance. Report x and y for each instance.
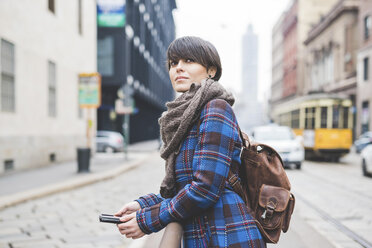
(323, 117)
(51, 6)
(295, 119)
(80, 17)
(80, 111)
(309, 118)
(345, 118)
(335, 116)
(367, 26)
(7, 82)
(365, 116)
(365, 68)
(52, 90)
(105, 54)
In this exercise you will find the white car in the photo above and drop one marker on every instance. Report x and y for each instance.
(283, 140)
(366, 155)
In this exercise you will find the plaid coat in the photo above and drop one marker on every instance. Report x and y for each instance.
(211, 213)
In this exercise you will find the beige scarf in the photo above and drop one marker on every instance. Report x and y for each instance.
(176, 122)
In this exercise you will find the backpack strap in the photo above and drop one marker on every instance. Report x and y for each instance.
(232, 178)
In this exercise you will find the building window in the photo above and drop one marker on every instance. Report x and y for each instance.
(365, 68)
(52, 90)
(7, 82)
(80, 17)
(51, 6)
(367, 26)
(365, 116)
(105, 54)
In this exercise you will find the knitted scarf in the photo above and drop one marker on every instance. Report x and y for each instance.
(177, 121)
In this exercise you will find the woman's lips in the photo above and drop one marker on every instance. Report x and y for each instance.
(180, 78)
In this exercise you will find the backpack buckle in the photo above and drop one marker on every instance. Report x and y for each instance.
(233, 180)
(268, 213)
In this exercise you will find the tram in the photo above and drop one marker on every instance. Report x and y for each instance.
(324, 121)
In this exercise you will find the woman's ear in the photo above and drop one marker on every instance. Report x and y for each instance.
(212, 71)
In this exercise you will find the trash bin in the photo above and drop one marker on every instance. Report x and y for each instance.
(83, 157)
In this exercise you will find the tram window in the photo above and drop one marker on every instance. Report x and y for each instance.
(345, 117)
(310, 118)
(335, 116)
(295, 119)
(323, 117)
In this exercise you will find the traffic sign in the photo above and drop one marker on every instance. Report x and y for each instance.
(89, 90)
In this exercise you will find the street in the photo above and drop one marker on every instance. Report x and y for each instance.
(333, 206)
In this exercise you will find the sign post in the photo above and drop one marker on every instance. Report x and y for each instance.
(89, 98)
(124, 106)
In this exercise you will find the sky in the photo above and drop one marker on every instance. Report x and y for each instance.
(223, 23)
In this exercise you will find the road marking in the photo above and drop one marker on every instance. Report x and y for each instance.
(360, 240)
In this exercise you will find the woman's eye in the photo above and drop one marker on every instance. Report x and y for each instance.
(189, 60)
(173, 63)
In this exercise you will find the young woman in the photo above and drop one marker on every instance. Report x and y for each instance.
(201, 143)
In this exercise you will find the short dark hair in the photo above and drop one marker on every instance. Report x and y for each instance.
(197, 49)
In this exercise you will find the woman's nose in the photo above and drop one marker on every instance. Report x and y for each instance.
(179, 65)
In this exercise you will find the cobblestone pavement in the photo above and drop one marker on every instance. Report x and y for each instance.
(70, 219)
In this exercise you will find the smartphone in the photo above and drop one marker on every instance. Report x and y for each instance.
(109, 218)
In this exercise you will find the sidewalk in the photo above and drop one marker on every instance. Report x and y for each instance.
(20, 186)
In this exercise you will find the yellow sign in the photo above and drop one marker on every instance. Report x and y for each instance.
(89, 90)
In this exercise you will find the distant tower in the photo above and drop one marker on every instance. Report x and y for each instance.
(250, 62)
(249, 110)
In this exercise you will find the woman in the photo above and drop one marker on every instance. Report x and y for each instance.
(201, 143)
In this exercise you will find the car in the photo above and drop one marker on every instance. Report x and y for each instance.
(366, 155)
(283, 140)
(109, 141)
(363, 140)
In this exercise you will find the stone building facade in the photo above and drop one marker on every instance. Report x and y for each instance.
(44, 46)
(364, 69)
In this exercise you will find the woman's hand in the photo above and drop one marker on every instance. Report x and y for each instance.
(128, 208)
(130, 228)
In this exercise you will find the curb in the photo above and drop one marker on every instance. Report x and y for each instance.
(32, 194)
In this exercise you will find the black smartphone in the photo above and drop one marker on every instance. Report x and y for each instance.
(109, 218)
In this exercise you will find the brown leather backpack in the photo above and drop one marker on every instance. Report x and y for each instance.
(265, 188)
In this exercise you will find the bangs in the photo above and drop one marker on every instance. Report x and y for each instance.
(186, 49)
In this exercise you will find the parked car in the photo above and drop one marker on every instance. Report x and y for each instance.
(109, 141)
(366, 155)
(363, 140)
(283, 140)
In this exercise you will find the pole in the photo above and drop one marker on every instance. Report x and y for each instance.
(126, 134)
(89, 127)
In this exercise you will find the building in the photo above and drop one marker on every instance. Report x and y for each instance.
(331, 52)
(277, 62)
(248, 108)
(131, 60)
(250, 63)
(298, 19)
(364, 68)
(44, 46)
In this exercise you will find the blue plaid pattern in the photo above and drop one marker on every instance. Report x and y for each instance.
(211, 213)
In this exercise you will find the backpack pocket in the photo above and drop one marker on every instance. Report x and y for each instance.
(273, 211)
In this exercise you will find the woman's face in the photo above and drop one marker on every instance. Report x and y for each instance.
(184, 72)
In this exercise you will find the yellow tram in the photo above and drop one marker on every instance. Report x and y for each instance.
(324, 121)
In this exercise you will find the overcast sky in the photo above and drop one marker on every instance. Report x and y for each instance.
(223, 23)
